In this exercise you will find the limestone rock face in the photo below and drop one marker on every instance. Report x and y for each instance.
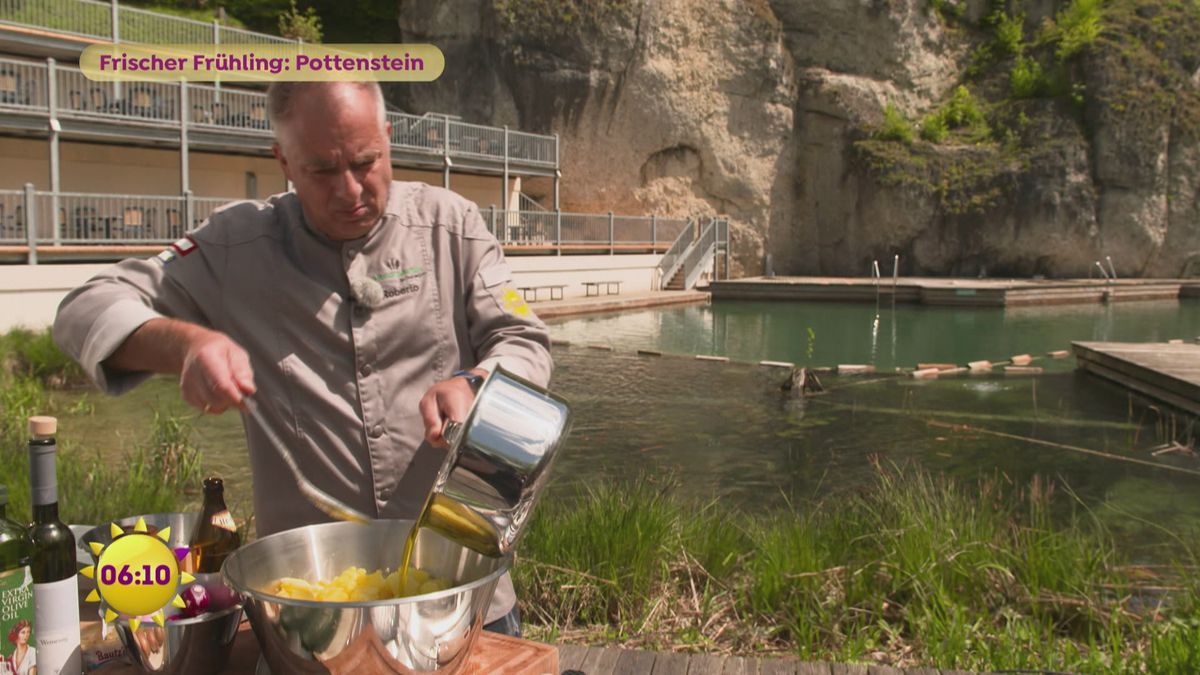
(754, 109)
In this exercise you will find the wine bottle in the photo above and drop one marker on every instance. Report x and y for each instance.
(16, 587)
(215, 535)
(55, 586)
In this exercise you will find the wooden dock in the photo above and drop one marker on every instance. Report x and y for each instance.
(580, 660)
(1163, 371)
(952, 292)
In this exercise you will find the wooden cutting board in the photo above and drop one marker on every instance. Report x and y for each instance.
(493, 655)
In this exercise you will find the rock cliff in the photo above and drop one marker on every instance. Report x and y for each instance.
(772, 113)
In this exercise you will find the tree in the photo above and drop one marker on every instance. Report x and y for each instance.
(304, 25)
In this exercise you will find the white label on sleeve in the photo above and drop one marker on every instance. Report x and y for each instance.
(56, 627)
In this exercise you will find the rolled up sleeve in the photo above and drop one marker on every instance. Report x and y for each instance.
(504, 331)
(95, 319)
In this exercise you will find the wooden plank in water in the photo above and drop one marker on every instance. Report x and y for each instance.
(670, 664)
(706, 664)
(634, 662)
(570, 657)
(780, 667)
(1169, 373)
(599, 661)
(740, 665)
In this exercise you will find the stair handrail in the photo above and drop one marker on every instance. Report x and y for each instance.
(698, 254)
(673, 258)
(528, 203)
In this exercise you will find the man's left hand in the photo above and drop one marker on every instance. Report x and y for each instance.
(447, 400)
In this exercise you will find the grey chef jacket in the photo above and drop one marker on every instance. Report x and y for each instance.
(337, 380)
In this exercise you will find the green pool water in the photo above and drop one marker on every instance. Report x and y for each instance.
(728, 432)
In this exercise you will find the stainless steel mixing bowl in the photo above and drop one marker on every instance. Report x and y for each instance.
(181, 525)
(198, 646)
(430, 633)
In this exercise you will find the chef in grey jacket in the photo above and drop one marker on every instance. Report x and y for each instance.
(346, 307)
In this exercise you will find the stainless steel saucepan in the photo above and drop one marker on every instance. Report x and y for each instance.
(499, 461)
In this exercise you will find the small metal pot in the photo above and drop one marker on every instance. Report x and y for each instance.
(498, 463)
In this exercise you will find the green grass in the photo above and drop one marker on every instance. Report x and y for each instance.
(914, 570)
(96, 19)
(33, 354)
(152, 478)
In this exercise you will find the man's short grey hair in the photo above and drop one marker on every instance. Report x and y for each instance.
(281, 98)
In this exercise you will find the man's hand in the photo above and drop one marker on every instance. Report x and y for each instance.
(447, 400)
(214, 372)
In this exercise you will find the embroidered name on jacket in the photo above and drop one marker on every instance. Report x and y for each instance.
(403, 290)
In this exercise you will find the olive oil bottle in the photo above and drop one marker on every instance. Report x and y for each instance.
(16, 588)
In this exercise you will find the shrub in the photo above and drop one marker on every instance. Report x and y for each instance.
(1026, 79)
(1010, 33)
(1076, 27)
(895, 126)
(961, 112)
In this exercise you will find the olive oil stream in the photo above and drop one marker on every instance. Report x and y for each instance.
(452, 520)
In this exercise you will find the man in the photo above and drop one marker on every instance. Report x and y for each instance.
(346, 308)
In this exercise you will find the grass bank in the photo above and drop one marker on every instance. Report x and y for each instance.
(916, 570)
(152, 478)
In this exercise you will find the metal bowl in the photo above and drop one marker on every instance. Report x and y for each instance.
(181, 525)
(198, 646)
(430, 633)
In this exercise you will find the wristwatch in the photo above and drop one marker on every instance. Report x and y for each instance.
(473, 379)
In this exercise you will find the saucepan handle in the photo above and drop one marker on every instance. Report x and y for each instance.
(452, 431)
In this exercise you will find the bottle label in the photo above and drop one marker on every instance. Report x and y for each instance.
(56, 626)
(224, 521)
(16, 619)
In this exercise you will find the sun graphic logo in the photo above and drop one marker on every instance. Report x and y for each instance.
(137, 575)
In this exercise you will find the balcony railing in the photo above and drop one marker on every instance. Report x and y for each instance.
(39, 219)
(117, 23)
(557, 229)
(25, 87)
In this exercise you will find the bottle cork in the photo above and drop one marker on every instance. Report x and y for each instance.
(40, 425)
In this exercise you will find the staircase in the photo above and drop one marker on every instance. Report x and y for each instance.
(677, 281)
(691, 254)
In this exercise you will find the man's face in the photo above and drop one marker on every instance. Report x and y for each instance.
(337, 156)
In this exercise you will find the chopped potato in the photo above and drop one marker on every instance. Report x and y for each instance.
(355, 585)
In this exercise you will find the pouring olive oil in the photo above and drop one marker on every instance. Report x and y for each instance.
(454, 522)
(498, 462)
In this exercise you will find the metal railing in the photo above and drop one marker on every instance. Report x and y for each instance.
(118, 23)
(582, 230)
(527, 203)
(692, 250)
(673, 258)
(698, 255)
(25, 86)
(38, 218)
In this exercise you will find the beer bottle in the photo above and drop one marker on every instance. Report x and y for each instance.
(215, 535)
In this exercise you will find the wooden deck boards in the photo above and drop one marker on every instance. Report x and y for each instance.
(1165, 372)
(580, 660)
(948, 292)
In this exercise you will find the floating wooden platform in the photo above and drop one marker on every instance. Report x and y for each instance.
(579, 660)
(1165, 372)
(953, 292)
